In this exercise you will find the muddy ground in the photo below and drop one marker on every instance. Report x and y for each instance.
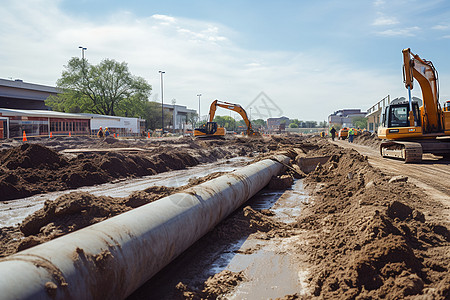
(365, 234)
(34, 168)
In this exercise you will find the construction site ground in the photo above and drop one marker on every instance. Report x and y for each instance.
(356, 226)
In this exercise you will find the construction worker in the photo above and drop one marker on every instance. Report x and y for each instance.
(100, 132)
(107, 132)
(351, 134)
(333, 133)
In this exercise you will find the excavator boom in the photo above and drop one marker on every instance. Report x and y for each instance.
(234, 107)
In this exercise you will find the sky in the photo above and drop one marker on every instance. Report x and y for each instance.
(295, 58)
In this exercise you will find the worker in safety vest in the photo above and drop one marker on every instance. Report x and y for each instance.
(351, 134)
(100, 132)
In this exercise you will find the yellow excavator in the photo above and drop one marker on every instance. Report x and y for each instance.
(212, 129)
(413, 128)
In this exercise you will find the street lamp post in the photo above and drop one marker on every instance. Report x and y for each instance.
(199, 95)
(162, 102)
(174, 115)
(82, 51)
(83, 66)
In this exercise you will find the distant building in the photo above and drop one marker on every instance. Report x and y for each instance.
(22, 108)
(374, 113)
(124, 126)
(180, 116)
(275, 124)
(344, 117)
(41, 122)
(17, 94)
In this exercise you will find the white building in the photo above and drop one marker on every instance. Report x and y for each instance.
(123, 125)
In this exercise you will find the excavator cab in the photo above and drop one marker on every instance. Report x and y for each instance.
(208, 128)
(397, 113)
(447, 106)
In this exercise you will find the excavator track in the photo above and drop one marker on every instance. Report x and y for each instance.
(406, 151)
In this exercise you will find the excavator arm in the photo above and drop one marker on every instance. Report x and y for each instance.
(425, 73)
(234, 107)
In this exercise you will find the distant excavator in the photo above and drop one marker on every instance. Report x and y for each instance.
(411, 127)
(211, 128)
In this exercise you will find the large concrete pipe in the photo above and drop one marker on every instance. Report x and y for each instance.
(111, 259)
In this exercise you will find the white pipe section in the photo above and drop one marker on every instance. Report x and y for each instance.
(111, 259)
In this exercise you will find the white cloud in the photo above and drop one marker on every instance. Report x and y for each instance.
(378, 3)
(383, 21)
(198, 57)
(441, 27)
(411, 31)
(164, 18)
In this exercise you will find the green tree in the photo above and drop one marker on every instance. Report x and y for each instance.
(359, 122)
(293, 125)
(152, 114)
(259, 123)
(310, 124)
(323, 124)
(192, 119)
(225, 121)
(107, 88)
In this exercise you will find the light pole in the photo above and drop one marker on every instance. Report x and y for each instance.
(250, 114)
(82, 51)
(162, 102)
(174, 115)
(83, 67)
(199, 95)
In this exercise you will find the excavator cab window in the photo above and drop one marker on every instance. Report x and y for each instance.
(211, 127)
(398, 114)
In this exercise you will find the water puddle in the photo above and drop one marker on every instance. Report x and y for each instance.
(270, 270)
(14, 211)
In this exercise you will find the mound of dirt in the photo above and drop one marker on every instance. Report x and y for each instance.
(34, 168)
(31, 156)
(368, 138)
(370, 238)
(31, 168)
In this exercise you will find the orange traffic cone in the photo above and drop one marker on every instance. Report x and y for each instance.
(117, 135)
(51, 135)
(114, 135)
(24, 138)
(70, 134)
(148, 134)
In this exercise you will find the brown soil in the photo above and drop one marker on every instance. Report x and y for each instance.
(368, 235)
(30, 169)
